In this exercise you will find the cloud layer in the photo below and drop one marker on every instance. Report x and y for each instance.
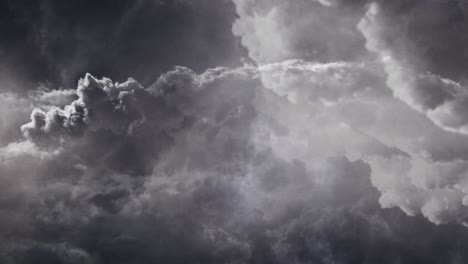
(342, 139)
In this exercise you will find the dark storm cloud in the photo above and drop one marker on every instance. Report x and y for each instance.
(60, 41)
(105, 150)
(84, 162)
(318, 151)
(212, 192)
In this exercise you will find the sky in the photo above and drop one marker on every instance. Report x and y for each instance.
(233, 131)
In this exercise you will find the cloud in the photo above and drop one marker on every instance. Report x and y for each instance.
(81, 165)
(324, 31)
(422, 80)
(317, 151)
(225, 166)
(302, 81)
(204, 185)
(59, 42)
(343, 106)
(12, 112)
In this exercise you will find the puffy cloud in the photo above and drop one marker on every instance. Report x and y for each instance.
(419, 71)
(209, 182)
(323, 31)
(432, 181)
(343, 107)
(231, 170)
(79, 162)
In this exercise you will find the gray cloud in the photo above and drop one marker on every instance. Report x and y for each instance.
(418, 64)
(12, 111)
(274, 31)
(59, 42)
(317, 150)
(215, 190)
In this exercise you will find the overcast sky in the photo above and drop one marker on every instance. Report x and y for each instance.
(233, 131)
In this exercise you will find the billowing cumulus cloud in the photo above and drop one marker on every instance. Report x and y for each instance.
(428, 177)
(233, 179)
(314, 30)
(340, 140)
(420, 72)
